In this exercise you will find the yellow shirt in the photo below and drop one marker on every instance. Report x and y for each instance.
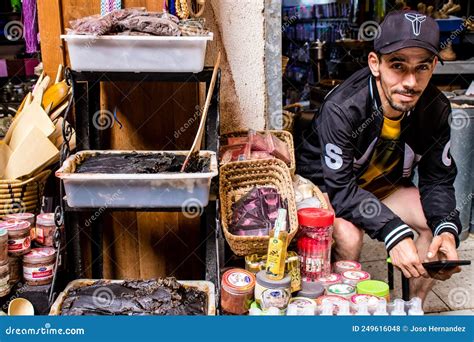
(380, 178)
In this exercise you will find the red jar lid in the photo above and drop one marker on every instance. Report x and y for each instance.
(315, 217)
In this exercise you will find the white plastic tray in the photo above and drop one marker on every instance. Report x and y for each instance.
(189, 191)
(205, 286)
(137, 53)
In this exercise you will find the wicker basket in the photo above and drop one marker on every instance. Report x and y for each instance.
(238, 178)
(22, 196)
(285, 136)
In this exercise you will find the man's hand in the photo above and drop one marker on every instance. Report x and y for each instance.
(443, 247)
(404, 255)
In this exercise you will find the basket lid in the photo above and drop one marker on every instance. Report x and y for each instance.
(315, 217)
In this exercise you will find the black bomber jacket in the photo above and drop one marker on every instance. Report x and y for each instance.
(337, 150)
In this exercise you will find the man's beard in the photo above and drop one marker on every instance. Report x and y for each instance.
(400, 107)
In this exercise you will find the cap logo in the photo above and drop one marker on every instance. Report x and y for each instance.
(416, 20)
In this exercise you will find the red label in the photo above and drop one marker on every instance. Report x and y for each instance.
(43, 274)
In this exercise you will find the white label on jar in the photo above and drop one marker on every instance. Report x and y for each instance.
(38, 273)
(18, 245)
(239, 279)
(40, 235)
(313, 265)
(278, 298)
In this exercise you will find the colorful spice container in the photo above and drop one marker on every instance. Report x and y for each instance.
(19, 241)
(237, 291)
(38, 266)
(3, 246)
(314, 247)
(354, 277)
(45, 228)
(343, 290)
(341, 266)
(16, 269)
(331, 279)
(375, 288)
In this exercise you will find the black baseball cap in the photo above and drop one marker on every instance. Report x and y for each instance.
(403, 29)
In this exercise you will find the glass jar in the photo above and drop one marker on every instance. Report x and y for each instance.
(354, 277)
(341, 266)
(314, 244)
(19, 241)
(38, 266)
(237, 291)
(45, 228)
(16, 269)
(270, 292)
(4, 279)
(3, 246)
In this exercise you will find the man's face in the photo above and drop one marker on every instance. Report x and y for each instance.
(404, 75)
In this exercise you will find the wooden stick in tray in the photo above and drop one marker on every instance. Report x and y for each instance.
(194, 152)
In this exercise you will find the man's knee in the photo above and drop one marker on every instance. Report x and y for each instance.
(348, 239)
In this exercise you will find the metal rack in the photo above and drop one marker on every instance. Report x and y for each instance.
(86, 101)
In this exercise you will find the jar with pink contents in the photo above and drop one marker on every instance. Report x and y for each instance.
(314, 245)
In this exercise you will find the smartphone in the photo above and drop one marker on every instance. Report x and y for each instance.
(444, 264)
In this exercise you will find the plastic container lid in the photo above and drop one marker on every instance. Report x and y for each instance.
(38, 255)
(7, 225)
(15, 225)
(341, 289)
(20, 216)
(238, 280)
(46, 219)
(374, 287)
(264, 281)
(332, 278)
(311, 289)
(315, 217)
(356, 275)
(3, 231)
(347, 265)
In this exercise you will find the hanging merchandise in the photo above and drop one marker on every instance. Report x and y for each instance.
(108, 6)
(30, 26)
(182, 10)
(198, 6)
(16, 5)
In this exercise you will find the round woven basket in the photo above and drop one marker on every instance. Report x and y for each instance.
(18, 196)
(238, 178)
(285, 136)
